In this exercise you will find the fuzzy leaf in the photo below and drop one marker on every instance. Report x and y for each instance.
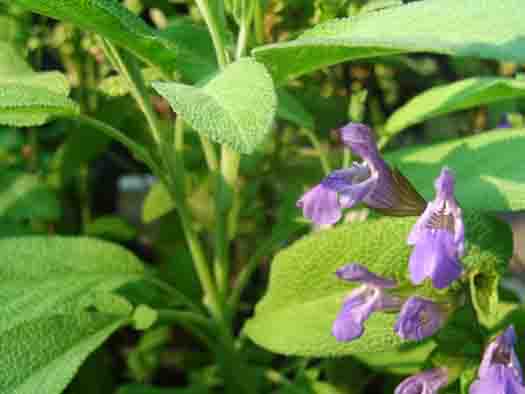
(452, 97)
(22, 105)
(235, 108)
(443, 26)
(304, 295)
(43, 355)
(487, 168)
(113, 21)
(44, 276)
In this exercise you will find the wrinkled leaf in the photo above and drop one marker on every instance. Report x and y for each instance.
(43, 355)
(22, 105)
(443, 26)
(489, 176)
(235, 108)
(452, 97)
(43, 276)
(304, 295)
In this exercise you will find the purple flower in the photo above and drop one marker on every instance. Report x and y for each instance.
(419, 318)
(500, 370)
(438, 237)
(361, 302)
(426, 382)
(504, 123)
(371, 182)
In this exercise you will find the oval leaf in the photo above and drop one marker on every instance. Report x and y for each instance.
(43, 276)
(487, 168)
(235, 108)
(443, 26)
(42, 356)
(304, 295)
(452, 97)
(24, 106)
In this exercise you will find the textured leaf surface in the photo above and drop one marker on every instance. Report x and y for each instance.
(235, 108)
(115, 22)
(443, 26)
(28, 98)
(15, 70)
(22, 105)
(24, 196)
(43, 355)
(456, 96)
(44, 276)
(489, 174)
(304, 295)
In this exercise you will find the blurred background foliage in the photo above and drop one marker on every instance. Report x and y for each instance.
(65, 179)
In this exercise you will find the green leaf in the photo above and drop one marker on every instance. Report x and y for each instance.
(12, 62)
(292, 110)
(157, 203)
(111, 227)
(452, 97)
(235, 108)
(304, 295)
(25, 196)
(15, 70)
(144, 317)
(147, 389)
(28, 98)
(443, 26)
(44, 276)
(484, 295)
(113, 21)
(196, 59)
(22, 105)
(488, 174)
(43, 355)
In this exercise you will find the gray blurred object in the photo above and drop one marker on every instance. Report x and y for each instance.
(132, 190)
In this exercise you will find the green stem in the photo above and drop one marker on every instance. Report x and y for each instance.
(132, 74)
(347, 157)
(118, 135)
(325, 164)
(220, 50)
(196, 324)
(177, 189)
(226, 194)
(259, 22)
(209, 154)
(178, 295)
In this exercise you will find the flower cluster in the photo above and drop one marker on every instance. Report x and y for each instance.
(371, 182)
(438, 245)
(500, 370)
